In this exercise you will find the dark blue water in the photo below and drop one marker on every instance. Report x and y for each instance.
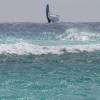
(50, 61)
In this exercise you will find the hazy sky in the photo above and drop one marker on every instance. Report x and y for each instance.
(34, 10)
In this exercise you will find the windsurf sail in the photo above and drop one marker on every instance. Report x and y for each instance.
(47, 13)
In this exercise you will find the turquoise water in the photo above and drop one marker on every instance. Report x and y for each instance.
(70, 76)
(55, 65)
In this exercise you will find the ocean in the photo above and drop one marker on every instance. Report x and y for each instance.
(40, 61)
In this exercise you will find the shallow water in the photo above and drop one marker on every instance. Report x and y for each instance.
(62, 62)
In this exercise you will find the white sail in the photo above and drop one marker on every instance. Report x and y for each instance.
(54, 18)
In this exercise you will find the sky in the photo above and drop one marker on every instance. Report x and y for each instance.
(34, 10)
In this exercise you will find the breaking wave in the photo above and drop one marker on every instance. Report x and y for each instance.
(26, 48)
(40, 39)
(75, 34)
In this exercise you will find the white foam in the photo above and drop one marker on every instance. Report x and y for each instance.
(74, 34)
(26, 48)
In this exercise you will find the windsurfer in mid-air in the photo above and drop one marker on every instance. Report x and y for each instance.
(50, 17)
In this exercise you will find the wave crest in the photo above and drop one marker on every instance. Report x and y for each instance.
(75, 34)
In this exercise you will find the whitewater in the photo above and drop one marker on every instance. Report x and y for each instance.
(41, 61)
(37, 38)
